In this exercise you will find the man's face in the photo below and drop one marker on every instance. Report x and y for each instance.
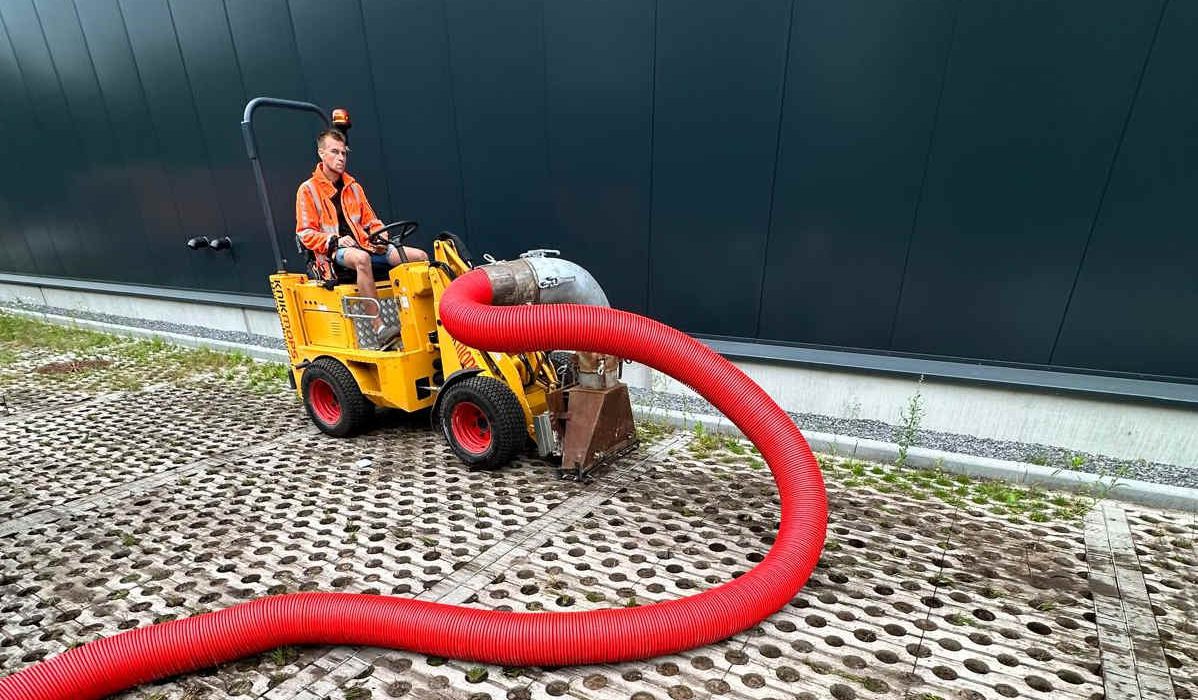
(333, 154)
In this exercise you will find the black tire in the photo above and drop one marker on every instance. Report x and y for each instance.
(333, 400)
(565, 363)
(483, 422)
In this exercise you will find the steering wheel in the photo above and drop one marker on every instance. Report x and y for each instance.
(405, 229)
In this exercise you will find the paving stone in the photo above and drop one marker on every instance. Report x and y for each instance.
(143, 521)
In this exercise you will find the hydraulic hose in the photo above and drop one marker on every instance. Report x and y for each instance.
(131, 658)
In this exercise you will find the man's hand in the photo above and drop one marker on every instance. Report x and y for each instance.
(382, 248)
(347, 242)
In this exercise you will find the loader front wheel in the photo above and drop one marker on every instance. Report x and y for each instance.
(333, 400)
(483, 422)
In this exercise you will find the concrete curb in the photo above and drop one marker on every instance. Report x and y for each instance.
(257, 352)
(1126, 490)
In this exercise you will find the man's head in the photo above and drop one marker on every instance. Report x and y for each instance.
(331, 148)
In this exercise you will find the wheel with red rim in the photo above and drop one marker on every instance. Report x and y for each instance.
(483, 422)
(332, 398)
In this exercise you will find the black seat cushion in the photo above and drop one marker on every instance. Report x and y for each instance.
(344, 275)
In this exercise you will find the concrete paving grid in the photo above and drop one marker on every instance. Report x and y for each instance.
(124, 507)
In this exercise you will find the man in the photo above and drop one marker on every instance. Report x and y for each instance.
(333, 219)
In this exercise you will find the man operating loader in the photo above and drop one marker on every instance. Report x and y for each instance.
(333, 219)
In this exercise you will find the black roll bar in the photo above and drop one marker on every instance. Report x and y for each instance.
(251, 149)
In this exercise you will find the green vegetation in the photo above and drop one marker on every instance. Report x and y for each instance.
(999, 497)
(123, 363)
(650, 429)
(19, 332)
(703, 443)
(282, 656)
(476, 674)
(909, 420)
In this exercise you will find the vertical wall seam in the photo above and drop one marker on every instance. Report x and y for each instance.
(29, 100)
(70, 114)
(236, 56)
(299, 60)
(195, 111)
(378, 113)
(453, 120)
(652, 123)
(191, 262)
(1131, 107)
(145, 229)
(769, 219)
(923, 178)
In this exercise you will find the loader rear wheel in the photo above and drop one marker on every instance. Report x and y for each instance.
(483, 422)
(333, 400)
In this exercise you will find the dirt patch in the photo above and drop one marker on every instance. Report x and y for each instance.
(72, 366)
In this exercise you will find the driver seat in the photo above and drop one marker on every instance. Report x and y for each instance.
(340, 275)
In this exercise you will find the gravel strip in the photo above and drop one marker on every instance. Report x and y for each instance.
(1043, 455)
(163, 326)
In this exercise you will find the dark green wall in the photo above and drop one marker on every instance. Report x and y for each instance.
(1008, 182)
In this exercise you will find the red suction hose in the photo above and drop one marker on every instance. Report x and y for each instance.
(116, 663)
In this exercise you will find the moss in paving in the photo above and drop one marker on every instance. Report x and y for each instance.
(1017, 503)
(136, 361)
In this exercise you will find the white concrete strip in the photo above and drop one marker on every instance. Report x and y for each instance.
(1133, 662)
(1129, 490)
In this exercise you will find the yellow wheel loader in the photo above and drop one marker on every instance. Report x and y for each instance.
(489, 406)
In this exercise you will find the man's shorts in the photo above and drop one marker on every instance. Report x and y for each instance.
(378, 261)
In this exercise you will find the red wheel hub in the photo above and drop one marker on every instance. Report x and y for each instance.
(324, 402)
(470, 426)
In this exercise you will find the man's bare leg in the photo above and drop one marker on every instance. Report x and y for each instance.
(359, 260)
(414, 255)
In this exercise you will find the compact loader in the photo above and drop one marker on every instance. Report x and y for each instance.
(489, 406)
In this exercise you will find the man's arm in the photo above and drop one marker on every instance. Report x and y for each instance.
(307, 224)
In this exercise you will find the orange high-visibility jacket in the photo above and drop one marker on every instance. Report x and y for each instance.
(316, 217)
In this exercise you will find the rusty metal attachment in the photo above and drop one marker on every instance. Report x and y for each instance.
(598, 428)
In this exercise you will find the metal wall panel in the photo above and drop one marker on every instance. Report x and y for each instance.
(1032, 110)
(102, 182)
(80, 211)
(1135, 308)
(167, 89)
(158, 257)
(995, 182)
(498, 75)
(862, 86)
(215, 80)
(717, 102)
(264, 42)
(409, 59)
(599, 62)
(19, 223)
(47, 212)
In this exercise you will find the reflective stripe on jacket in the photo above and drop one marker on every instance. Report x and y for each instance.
(316, 217)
